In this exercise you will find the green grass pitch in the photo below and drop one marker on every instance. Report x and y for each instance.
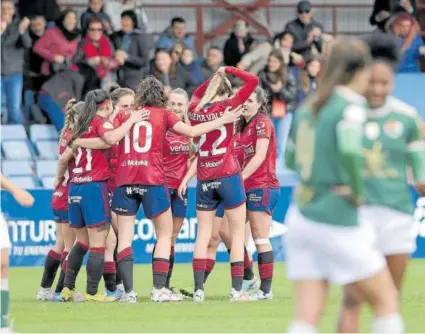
(217, 314)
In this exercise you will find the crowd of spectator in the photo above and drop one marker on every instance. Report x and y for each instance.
(53, 55)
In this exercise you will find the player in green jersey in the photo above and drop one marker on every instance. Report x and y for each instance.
(326, 241)
(392, 142)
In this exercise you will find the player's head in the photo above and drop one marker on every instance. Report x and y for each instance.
(151, 93)
(385, 54)
(256, 102)
(348, 65)
(179, 103)
(97, 102)
(72, 110)
(219, 89)
(121, 97)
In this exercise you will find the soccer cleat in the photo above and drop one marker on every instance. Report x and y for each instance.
(117, 294)
(260, 295)
(68, 295)
(238, 296)
(57, 297)
(199, 296)
(120, 287)
(250, 284)
(186, 293)
(100, 298)
(45, 294)
(129, 298)
(164, 295)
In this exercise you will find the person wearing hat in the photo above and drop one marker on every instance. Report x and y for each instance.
(306, 30)
(239, 43)
(132, 50)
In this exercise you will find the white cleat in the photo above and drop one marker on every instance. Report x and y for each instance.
(164, 295)
(129, 298)
(45, 294)
(238, 296)
(250, 284)
(199, 296)
(120, 287)
(260, 295)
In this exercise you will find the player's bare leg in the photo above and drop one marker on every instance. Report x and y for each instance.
(109, 269)
(260, 227)
(51, 265)
(96, 261)
(205, 225)
(161, 258)
(68, 234)
(349, 320)
(4, 288)
(310, 301)
(125, 255)
(75, 260)
(237, 219)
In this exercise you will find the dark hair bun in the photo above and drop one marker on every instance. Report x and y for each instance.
(383, 46)
(113, 88)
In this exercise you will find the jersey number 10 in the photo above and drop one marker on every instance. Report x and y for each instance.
(136, 133)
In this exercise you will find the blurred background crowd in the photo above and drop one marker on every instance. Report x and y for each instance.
(51, 53)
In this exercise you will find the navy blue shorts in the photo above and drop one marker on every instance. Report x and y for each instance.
(178, 205)
(262, 199)
(89, 204)
(127, 199)
(61, 216)
(220, 211)
(228, 190)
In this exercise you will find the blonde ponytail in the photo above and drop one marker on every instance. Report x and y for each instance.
(218, 86)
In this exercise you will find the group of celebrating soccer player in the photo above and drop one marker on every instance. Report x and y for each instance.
(350, 222)
(121, 149)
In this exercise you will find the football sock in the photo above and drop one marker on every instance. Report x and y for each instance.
(125, 267)
(210, 267)
(389, 324)
(161, 268)
(61, 280)
(75, 260)
(237, 275)
(265, 267)
(4, 301)
(199, 267)
(51, 266)
(301, 327)
(170, 272)
(248, 273)
(94, 269)
(110, 276)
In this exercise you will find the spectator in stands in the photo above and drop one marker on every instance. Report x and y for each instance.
(281, 87)
(172, 76)
(96, 57)
(14, 40)
(33, 62)
(384, 9)
(306, 30)
(175, 33)
(114, 8)
(189, 64)
(409, 61)
(176, 53)
(255, 60)
(308, 79)
(47, 8)
(213, 61)
(132, 50)
(95, 9)
(239, 43)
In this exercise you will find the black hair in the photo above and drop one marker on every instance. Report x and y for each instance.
(214, 47)
(177, 19)
(383, 47)
(132, 15)
(92, 103)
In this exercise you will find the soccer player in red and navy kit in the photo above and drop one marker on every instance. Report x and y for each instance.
(219, 175)
(65, 235)
(258, 140)
(91, 218)
(141, 180)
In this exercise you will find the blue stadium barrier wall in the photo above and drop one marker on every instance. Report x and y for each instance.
(32, 231)
(410, 88)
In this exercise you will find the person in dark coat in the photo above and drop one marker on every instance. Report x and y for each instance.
(14, 41)
(132, 50)
(96, 9)
(189, 64)
(47, 8)
(172, 76)
(239, 43)
(306, 30)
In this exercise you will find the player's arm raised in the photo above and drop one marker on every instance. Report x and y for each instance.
(91, 143)
(229, 116)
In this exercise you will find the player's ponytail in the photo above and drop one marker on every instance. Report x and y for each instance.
(72, 111)
(95, 100)
(218, 86)
(348, 56)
